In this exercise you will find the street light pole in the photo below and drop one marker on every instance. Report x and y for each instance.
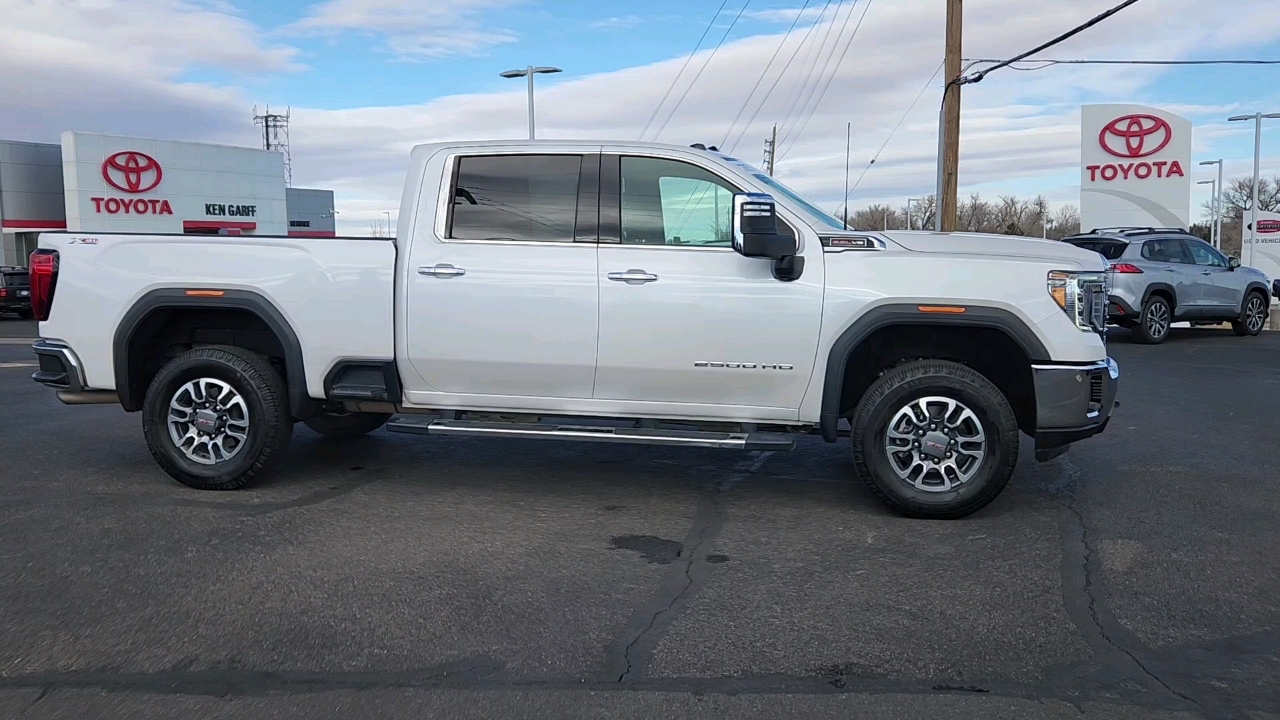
(909, 201)
(1215, 212)
(529, 72)
(1213, 209)
(1257, 171)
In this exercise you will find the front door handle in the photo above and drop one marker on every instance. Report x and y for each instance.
(633, 277)
(442, 270)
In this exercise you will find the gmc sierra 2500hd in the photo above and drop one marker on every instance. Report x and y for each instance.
(607, 292)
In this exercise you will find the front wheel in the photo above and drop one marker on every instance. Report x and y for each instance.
(346, 425)
(934, 439)
(1252, 316)
(217, 417)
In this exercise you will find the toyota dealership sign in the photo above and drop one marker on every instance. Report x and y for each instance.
(142, 185)
(1134, 167)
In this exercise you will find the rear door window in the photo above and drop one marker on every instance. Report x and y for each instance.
(1168, 250)
(529, 198)
(1109, 249)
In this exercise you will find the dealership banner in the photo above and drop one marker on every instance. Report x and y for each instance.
(1135, 167)
(1264, 254)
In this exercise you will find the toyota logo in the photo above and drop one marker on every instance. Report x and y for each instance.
(131, 168)
(1135, 136)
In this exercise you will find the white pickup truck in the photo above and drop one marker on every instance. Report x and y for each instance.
(606, 292)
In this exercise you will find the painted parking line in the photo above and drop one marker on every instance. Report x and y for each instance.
(18, 365)
(17, 341)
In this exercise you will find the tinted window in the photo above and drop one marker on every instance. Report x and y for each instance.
(13, 279)
(516, 197)
(1203, 254)
(1164, 250)
(665, 202)
(1108, 249)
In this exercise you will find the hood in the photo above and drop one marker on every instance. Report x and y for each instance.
(1005, 246)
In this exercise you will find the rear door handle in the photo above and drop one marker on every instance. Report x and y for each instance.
(442, 270)
(633, 277)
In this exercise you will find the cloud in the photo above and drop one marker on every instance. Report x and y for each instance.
(785, 16)
(616, 23)
(1019, 129)
(411, 29)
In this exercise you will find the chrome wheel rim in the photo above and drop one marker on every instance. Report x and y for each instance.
(208, 421)
(1157, 321)
(935, 444)
(1254, 314)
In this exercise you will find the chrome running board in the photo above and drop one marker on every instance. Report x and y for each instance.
(592, 433)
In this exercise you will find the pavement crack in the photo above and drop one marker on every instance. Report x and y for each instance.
(685, 578)
(1088, 572)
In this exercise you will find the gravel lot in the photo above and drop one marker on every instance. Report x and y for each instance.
(1135, 577)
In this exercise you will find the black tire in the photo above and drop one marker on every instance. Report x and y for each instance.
(26, 314)
(1155, 321)
(264, 403)
(1253, 315)
(347, 425)
(913, 381)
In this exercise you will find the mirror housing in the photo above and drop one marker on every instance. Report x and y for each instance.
(1233, 262)
(755, 228)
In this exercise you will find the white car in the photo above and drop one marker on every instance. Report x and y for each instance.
(607, 292)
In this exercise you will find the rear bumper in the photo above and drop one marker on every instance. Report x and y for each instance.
(1121, 308)
(59, 367)
(1073, 402)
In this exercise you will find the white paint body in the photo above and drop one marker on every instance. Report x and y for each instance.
(539, 327)
(1125, 185)
(1263, 252)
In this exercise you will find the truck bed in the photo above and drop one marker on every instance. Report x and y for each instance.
(336, 293)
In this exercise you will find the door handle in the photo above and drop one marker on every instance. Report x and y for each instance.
(443, 270)
(633, 277)
(1206, 272)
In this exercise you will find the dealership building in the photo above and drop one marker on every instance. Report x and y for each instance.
(103, 183)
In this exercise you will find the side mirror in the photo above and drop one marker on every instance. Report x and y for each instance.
(1233, 262)
(755, 228)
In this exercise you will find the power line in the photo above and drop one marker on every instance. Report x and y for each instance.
(693, 82)
(763, 73)
(978, 76)
(802, 91)
(803, 42)
(835, 45)
(848, 44)
(1047, 63)
(893, 132)
(682, 69)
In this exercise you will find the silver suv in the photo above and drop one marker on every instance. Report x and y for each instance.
(1160, 276)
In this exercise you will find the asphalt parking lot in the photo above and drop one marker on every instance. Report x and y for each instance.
(1135, 577)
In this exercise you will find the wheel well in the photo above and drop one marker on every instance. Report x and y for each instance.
(989, 351)
(165, 333)
(1164, 293)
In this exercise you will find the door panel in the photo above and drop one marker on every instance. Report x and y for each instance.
(1174, 265)
(684, 318)
(710, 329)
(1222, 289)
(508, 303)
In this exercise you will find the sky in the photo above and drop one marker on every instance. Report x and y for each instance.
(366, 80)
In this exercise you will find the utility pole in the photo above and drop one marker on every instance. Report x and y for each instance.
(949, 142)
(771, 150)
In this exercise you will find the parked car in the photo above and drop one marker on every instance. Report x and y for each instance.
(591, 291)
(15, 294)
(1159, 276)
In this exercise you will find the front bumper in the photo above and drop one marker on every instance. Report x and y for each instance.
(1073, 402)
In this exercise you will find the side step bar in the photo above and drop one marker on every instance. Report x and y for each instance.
(592, 433)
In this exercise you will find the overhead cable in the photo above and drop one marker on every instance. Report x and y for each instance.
(676, 79)
(894, 131)
(763, 73)
(693, 82)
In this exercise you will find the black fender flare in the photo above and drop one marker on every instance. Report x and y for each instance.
(131, 396)
(1166, 287)
(883, 316)
(1251, 287)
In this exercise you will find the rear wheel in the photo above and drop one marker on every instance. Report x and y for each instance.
(1155, 321)
(346, 425)
(217, 417)
(934, 439)
(1253, 315)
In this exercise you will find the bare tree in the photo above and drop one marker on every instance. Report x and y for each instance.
(1009, 215)
(1237, 197)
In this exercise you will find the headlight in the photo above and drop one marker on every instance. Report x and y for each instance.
(1083, 297)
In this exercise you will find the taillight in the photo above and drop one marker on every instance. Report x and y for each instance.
(4, 292)
(43, 269)
(1126, 269)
